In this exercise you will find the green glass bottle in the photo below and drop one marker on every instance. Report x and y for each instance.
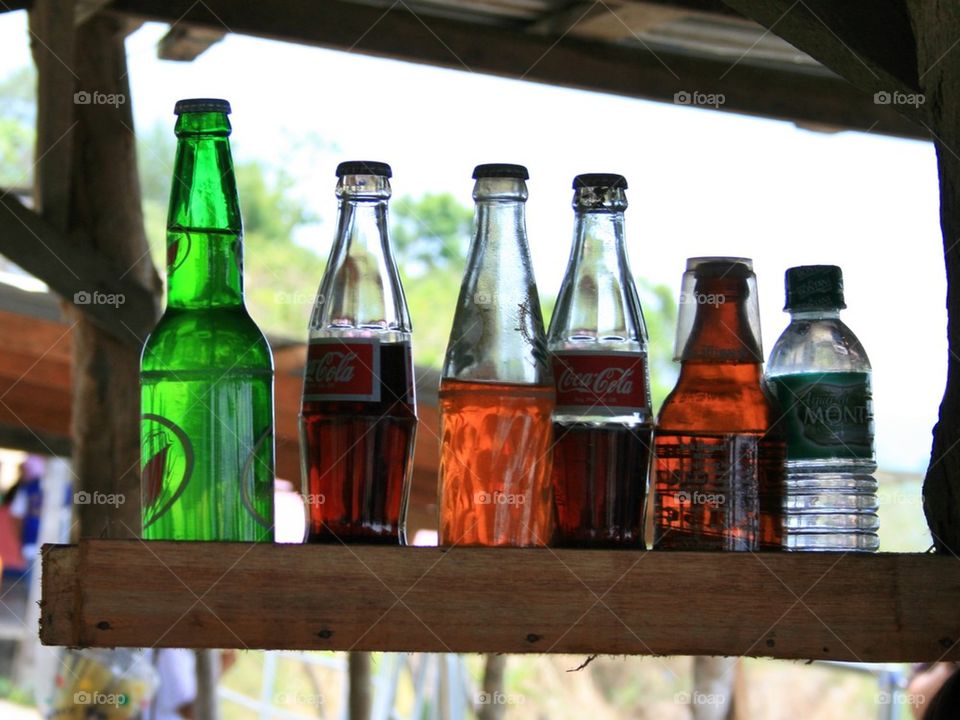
(206, 374)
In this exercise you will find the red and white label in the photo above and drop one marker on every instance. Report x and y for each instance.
(600, 380)
(342, 369)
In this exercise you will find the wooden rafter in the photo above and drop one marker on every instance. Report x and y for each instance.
(77, 272)
(869, 42)
(815, 97)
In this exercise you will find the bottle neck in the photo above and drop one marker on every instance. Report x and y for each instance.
(598, 239)
(204, 229)
(361, 293)
(815, 314)
(722, 331)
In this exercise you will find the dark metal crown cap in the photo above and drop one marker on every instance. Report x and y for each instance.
(812, 287)
(610, 180)
(199, 105)
(364, 167)
(500, 170)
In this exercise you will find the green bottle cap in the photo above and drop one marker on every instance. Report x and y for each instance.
(814, 287)
(201, 105)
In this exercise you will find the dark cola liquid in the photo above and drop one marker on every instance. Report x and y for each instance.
(600, 482)
(357, 458)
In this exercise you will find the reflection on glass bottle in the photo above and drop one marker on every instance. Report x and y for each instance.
(719, 452)
(496, 391)
(206, 371)
(598, 347)
(358, 418)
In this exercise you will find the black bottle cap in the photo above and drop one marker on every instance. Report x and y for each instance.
(201, 105)
(610, 180)
(814, 287)
(364, 167)
(500, 170)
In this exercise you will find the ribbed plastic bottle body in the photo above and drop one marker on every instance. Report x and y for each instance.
(358, 417)
(821, 377)
(602, 423)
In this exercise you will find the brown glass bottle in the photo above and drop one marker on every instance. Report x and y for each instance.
(719, 452)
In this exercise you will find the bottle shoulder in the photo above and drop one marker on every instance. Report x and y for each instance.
(224, 338)
(824, 345)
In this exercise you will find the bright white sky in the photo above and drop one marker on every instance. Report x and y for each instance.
(701, 183)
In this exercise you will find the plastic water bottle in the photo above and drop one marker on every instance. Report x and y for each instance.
(820, 375)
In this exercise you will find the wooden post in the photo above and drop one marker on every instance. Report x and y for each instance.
(493, 671)
(359, 670)
(106, 208)
(936, 24)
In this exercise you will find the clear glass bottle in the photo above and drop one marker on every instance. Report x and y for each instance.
(821, 377)
(719, 450)
(602, 424)
(358, 418)
(496, 390)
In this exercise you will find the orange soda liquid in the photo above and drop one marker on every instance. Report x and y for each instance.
(495, 463)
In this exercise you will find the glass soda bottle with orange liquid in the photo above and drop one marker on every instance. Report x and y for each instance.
(496, 389)
(719, 449)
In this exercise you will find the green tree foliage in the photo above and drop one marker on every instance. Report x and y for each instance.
(430, 235)
(17, 121)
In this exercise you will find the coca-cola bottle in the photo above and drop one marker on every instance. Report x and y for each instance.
(496, 390)
(602, 424)
(719, 449)
(358, 418)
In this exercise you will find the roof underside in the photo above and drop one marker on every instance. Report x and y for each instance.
(653, 49)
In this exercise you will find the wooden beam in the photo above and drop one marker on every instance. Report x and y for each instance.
(869, 42)
(870, 608)
(185, 43)
(106, 209)
(81, 275)
(52, 41)
(937, 24)
(758, 89)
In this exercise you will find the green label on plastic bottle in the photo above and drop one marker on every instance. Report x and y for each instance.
(826, 415)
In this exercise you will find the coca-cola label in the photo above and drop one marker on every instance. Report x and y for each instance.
(343, 369)
(599, 381)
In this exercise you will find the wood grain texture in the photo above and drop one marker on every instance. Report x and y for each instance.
(844, 607)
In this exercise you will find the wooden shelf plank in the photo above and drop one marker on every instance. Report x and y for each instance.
(880, 608)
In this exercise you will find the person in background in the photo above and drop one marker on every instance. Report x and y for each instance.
(177, 687)
(935, 691)
(25, 500)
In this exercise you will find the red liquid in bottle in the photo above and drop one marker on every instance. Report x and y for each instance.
(599, 478)
(357, 456)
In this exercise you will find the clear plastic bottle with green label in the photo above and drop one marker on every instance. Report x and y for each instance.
(820, 375)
